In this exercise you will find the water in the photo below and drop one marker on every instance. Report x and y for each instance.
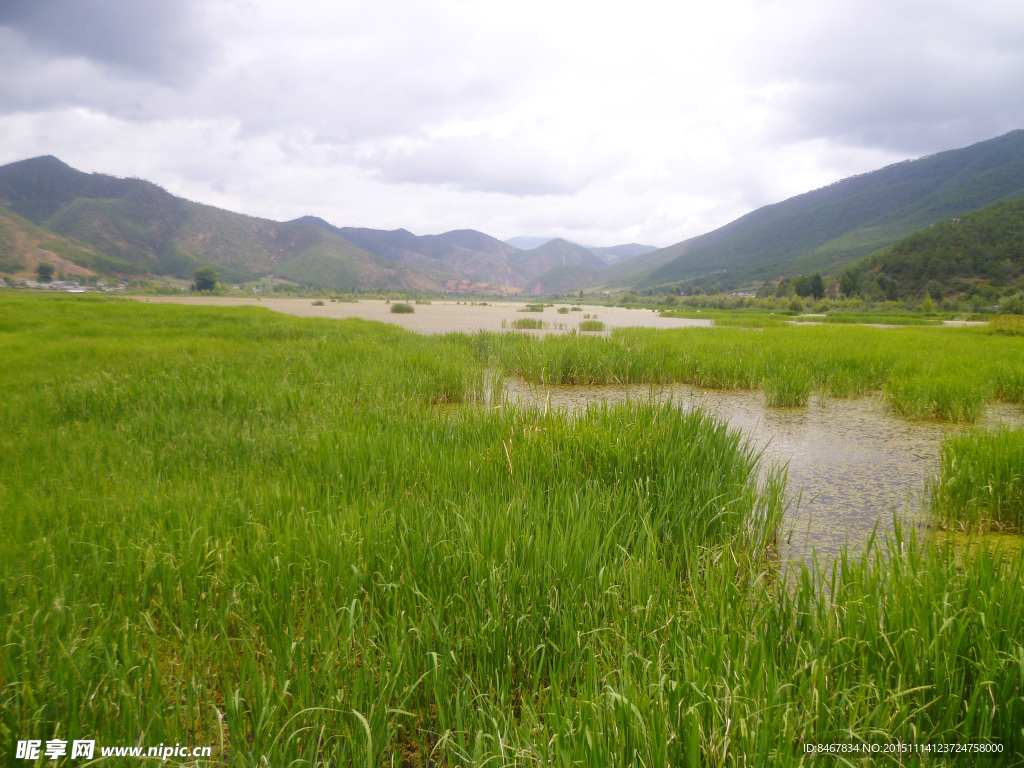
(851, 464)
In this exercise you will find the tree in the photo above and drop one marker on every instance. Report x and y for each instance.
(817, 286)
(44, 271)
(205, 278)
(848, 280)
(934, 290)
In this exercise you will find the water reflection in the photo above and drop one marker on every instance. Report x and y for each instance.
(851, 463)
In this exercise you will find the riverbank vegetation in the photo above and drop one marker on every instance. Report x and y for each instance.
(945, 374)
(309, 542)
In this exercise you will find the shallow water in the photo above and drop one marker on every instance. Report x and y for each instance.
(851, 463)
(448, 316)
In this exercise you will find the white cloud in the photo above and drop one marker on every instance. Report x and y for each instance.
(601, 122)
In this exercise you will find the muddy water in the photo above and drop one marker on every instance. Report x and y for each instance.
(448, 316)
(851, 464)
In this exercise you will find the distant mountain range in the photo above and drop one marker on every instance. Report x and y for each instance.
(96, 223)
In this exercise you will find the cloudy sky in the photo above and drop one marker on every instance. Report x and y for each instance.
(601, 122)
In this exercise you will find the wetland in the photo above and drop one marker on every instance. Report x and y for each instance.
(321, 541)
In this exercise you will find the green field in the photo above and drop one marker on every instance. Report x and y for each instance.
(312, 542)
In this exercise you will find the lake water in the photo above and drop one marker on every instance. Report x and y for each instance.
(447, 316)
(851, 463)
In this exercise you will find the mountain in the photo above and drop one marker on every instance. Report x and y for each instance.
(610, 255)
(524, 243)
(530, 265)
(459, 254)
(982, 248)
(143, 225)
(840, 223)
(617, 253)
(23, 246)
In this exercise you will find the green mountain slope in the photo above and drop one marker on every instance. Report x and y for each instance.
(985, 247)
(24, 245)
(139, 223)
(840, 223)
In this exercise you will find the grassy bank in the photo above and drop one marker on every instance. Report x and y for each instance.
(946, 374)
(318, 542)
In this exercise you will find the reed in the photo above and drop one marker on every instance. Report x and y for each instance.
(528, 324)
(981, 481)
(944, 374)
(1010, 325)
(303, 542)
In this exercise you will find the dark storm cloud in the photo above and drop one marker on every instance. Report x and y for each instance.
(908, 77)
(154, 39)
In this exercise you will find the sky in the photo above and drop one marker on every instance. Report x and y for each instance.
(600, 122)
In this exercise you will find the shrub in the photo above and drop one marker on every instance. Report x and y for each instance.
(402, 309)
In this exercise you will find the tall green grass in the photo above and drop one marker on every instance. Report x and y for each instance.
(946, 374)
(981, 481)
(303, 542)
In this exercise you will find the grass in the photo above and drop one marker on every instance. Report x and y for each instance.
(981, 482)
(946, 374)
(591, 325)
(303, 542)
(528, 324)
(531, 308)
(1011, 325)
(401, 308)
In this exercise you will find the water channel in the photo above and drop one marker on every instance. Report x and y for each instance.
(851, 463)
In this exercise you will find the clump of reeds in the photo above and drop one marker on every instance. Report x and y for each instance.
(940, 396)
(788, 388)
(401, 308)
(591, 325)
(528, 324)
(981, 481)
(1010, 325)
(531, 308)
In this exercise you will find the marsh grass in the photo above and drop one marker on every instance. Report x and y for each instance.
(591, 325)
(401, 308)
(261, 533)
(528, 324)
(1010, 325)
(946, 374)
(981, 481)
